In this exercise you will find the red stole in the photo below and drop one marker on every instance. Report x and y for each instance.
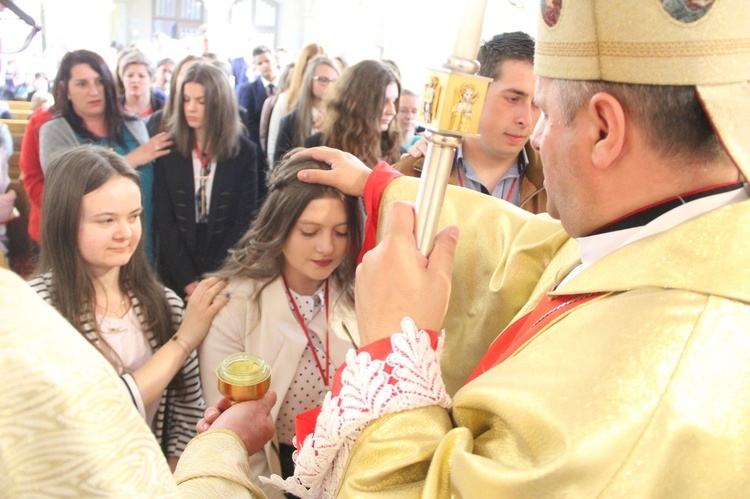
(522, 330)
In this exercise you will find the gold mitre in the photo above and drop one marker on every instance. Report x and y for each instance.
(705, 43)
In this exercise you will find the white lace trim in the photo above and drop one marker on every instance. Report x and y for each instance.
(368, 392)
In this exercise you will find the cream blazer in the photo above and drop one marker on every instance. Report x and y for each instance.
(275, 336)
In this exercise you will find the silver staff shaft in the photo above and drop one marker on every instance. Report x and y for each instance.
(438, 163)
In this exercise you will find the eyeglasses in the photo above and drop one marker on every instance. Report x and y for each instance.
(324, 79)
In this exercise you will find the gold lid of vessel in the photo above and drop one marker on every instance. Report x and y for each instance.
(243, 376)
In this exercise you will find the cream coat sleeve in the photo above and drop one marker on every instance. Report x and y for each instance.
(225, 337)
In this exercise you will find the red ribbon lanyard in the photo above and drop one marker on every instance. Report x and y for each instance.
(202, 157)
(323, 373)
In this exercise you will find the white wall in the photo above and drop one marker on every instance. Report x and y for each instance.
(417, 34)
(75, 24)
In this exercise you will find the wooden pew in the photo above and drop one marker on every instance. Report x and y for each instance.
(17, 105)
(19, 109)
(20, 114)
(17, 129)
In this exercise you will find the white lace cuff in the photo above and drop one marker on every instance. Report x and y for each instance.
(410, 377)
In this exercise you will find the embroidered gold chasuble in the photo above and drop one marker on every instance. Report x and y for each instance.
(68, 427)
(642, 393)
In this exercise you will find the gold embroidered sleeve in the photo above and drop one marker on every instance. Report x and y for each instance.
(215, 464)
(501, 259)
(68, 426)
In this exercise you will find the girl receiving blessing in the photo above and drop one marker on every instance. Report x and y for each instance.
(291, 279)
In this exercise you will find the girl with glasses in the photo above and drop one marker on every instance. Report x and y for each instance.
(306, 117)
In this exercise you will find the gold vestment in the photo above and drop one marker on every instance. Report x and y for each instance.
(642, 393)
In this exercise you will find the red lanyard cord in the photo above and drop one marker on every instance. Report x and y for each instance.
(202, 157)
(324, 373)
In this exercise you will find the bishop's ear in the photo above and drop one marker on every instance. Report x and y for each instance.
(608, 116)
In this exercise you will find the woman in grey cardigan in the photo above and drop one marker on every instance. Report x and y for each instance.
(87, 112)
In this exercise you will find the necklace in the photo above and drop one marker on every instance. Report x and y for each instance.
(324, 373)
(117, 312)
(106, 325)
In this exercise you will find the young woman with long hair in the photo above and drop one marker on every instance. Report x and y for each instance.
(305, 118)
(291, 280)
(93, 270)
(207, 188)
(359, 113)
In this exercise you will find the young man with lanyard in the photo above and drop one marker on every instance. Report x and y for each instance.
(620, 364)
(500, 162)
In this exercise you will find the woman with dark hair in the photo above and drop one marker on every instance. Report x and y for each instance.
(359, 114)
(305, 118)
(86, 111)
(207, 189)
(291, 280)
(94, 272)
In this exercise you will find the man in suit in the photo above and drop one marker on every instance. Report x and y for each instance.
(252, 95)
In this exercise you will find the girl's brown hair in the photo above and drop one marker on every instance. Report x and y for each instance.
(221, 119)
(259, 253)
(353, 110)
